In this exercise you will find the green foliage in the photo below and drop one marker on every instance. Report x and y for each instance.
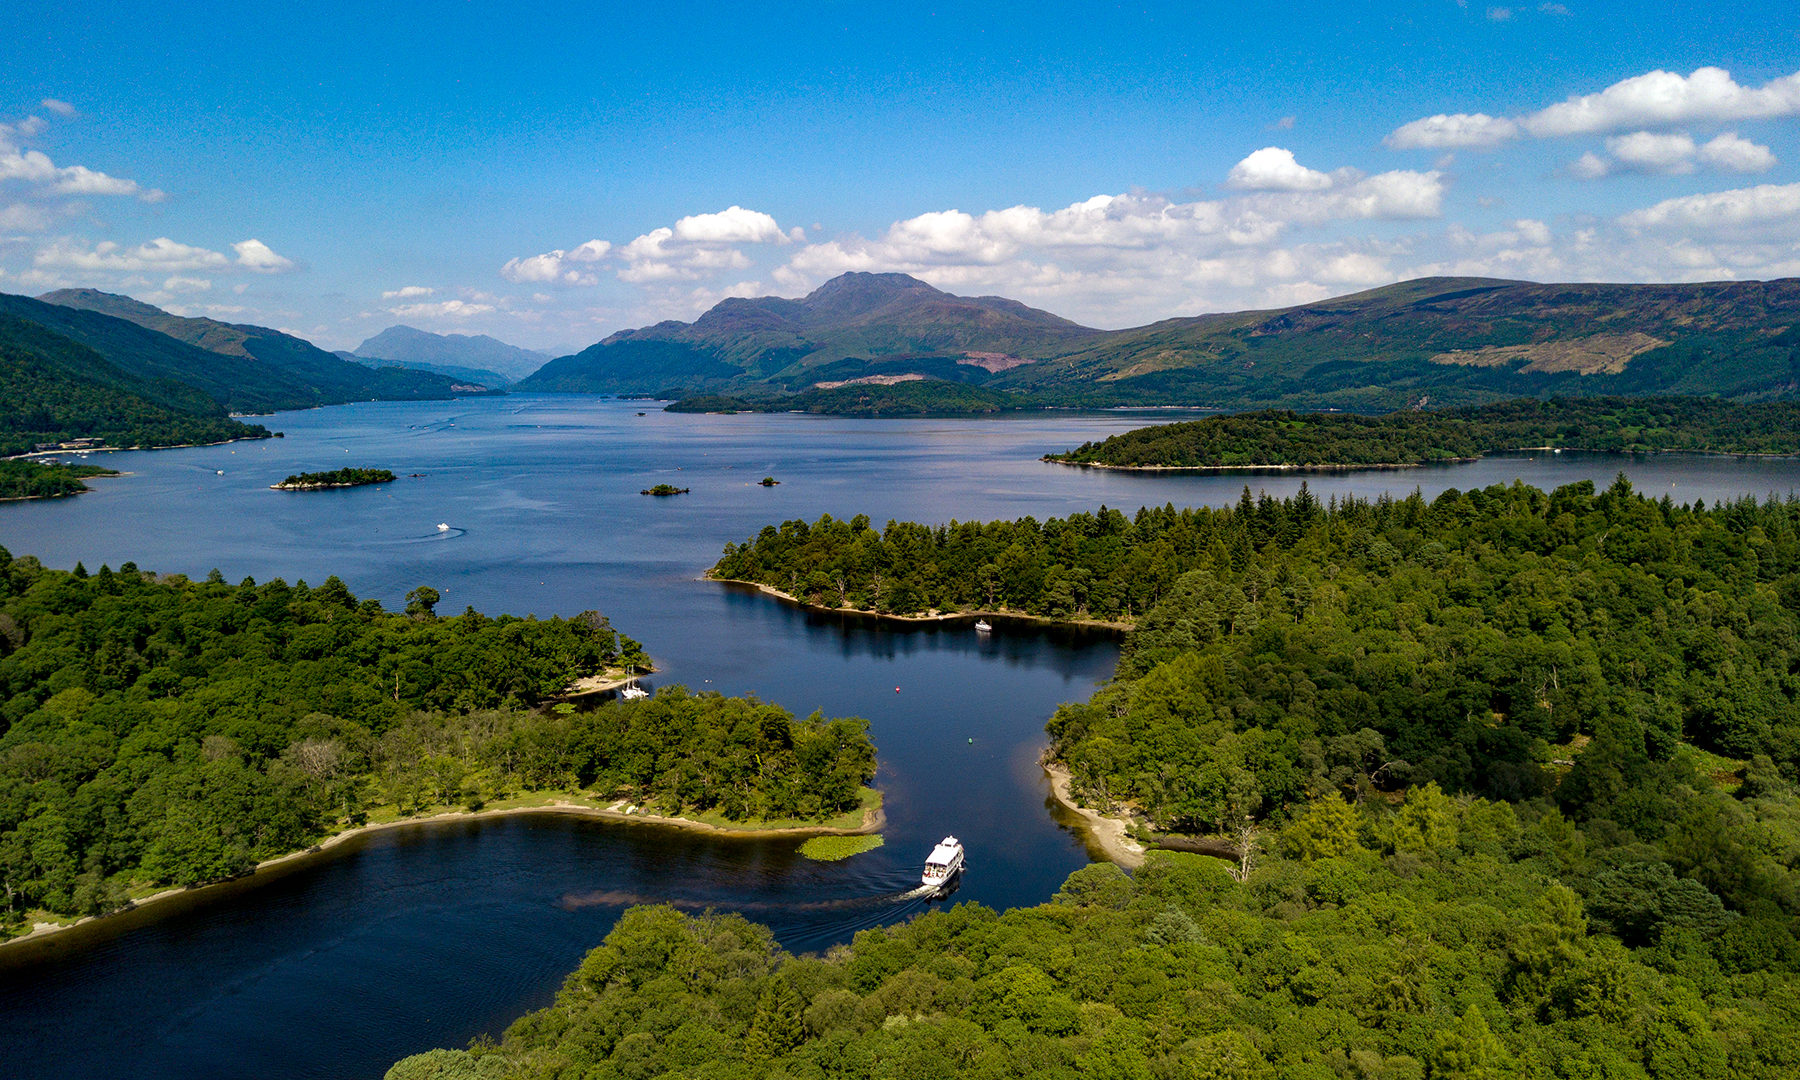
(1474, 966)
(915, 397)
(23, 479)
(54, 390)
(348, 477)
(163, 730)
(836, 848)
(1410, 437)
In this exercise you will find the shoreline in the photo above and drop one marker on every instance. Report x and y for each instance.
(929, 617)
(1326, 467)
(35, 454)
(874, 820)
(1107, 831)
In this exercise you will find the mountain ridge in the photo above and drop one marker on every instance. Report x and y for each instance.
(450, 353)
(1439, 341)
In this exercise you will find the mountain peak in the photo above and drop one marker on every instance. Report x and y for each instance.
(122, 307)
(857, 292)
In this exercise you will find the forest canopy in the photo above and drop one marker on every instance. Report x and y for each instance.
(1283, 438)
(159, 730)
(22, 478)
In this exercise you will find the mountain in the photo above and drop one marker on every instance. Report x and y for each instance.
(852, 327)
(1442, 341)
(464, 376)
(461, 354)
(1450, 341)
(245, 368)
(55, 389)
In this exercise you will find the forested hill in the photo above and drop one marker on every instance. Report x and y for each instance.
(157, 730)
(1511, 775)
(1444, 341)
(1284, 438)
(243, 368)
(54, 389)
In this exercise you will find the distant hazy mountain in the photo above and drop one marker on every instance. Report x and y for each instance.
(852, 326)
(1441, 340)
(53, 388)
(245, 368)
(460, 353)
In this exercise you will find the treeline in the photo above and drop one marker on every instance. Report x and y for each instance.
(156, 729)
(1277, 438)
(348, 477)
(915, 397)
(1430, 939)
(25, 479)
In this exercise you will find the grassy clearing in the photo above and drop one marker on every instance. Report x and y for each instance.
(835, 848)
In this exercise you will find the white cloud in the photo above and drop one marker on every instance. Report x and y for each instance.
(35, 167)
(1274, 169)
(1589, 166)
(1742, 207)
(733, 225)
(60, 108)
(1657, 99)
(1647, 151)
(1727, 151)
(1499, 14)
(442, 309)
(408, 292)
(1474, 130)
(255, 255)
(161, 255)
(1663, 98)
(25, 217)
(81, 180)
(186, 285)
(559, 266)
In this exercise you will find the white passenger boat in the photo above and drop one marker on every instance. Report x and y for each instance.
(982, 626)
(943, 864)
(443, 526)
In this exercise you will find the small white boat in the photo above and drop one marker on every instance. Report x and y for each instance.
(443, 526)
(943, 864)
(633, 692)
(982, 626)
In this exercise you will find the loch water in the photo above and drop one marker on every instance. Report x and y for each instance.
(431, 935)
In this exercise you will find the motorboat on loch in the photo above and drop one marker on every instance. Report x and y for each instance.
(943, 864)
(982, 626)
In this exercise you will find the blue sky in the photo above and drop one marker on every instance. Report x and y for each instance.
(550, 174)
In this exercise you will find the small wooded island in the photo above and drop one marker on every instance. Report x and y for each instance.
(664, 489)
(22, 478)
(1283, 439)
(336, 478)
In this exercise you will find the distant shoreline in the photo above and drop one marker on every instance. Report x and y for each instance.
(929, 617)
(874, 820)
(1409, 465)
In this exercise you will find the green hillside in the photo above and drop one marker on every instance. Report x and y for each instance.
(53, 389)
(245, 368)
(1435, 341)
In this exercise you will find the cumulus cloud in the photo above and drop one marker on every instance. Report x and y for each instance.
(1451, 131)
(1673, 154)
(1727, 151)
(161, 255)
(1274, 169)
(35, 167)
(442, 309)
(60, 108)
(25, 217)
(694, 247)
(186, 285)
(1742, 207)
(559, 266)
(1656, 99)
(255, 255)
(408, 292)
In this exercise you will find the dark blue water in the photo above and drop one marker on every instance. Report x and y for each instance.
(429, 936)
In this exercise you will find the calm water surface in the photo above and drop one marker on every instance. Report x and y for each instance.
(429, 936)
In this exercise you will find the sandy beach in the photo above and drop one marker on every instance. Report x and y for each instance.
(934, 616)
(1108, 832)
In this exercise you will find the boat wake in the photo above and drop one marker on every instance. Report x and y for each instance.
(623, 898)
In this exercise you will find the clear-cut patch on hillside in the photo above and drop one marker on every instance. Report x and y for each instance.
(992, 361)
(1597, 354)
(869, 380)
